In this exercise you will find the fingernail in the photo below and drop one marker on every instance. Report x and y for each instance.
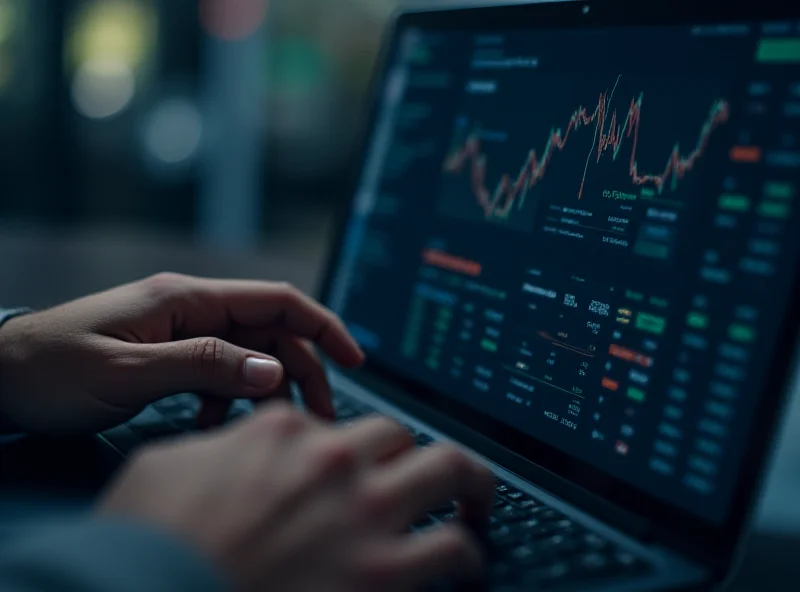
(263, 374)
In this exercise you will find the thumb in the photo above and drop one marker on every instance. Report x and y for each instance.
(206, 365)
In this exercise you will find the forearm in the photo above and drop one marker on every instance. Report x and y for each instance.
(94, 555)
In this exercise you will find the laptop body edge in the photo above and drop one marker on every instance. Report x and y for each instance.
(716, 570)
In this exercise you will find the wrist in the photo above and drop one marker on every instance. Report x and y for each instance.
(7, 317)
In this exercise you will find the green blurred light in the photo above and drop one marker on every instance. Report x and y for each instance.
(296, 65)
(9, 19)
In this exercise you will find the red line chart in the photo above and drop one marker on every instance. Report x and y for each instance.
(611, 133)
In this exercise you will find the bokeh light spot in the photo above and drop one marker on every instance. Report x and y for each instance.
(232, 19)
(103, 88)
(173, 131)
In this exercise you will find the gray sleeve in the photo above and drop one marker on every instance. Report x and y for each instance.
(102, 556)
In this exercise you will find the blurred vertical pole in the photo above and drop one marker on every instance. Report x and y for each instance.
(178, 75)
(59, 203)
(231, 184)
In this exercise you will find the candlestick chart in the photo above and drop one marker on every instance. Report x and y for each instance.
(603, 143)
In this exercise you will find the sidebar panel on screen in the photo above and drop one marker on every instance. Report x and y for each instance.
(399, 178)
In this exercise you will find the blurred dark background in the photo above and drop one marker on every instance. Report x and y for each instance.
(113, 108)
(190, 132)
(201, 136)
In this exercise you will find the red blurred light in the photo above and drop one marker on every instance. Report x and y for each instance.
(232, 19)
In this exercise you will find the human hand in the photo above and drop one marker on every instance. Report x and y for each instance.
(95, 362)
(283, 502)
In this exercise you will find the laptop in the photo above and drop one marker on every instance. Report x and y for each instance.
(572, 249)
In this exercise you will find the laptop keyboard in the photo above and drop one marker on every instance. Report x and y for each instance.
(530, 544)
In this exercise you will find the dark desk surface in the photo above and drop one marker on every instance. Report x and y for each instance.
(40, 475)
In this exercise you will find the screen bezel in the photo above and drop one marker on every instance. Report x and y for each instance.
(718, 540)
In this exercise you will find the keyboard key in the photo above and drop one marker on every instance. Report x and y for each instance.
(593, 561)
(347, 409)
(503, 536)
(546, 576)
(542, 530)
(151, 424)
(168, 405)
(412, 430)
(240, 409)
(187, 400)
(544, 513)
(185, 419)
(423, 522)
(178, 403)
(346, 415)
(149, 416)
(595, 541)
(499, 532)
(123, 438)
(558, 544)
(423, 440)
(500, 572)
(522, 526)
(515, 495)
(629, 562)
(510, 513)
(235, 414)
(446, 508)
(152, 432)
(522, 554)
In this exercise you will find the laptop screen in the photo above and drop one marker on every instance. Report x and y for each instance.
(588, 235)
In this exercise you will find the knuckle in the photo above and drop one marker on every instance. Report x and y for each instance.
(287, 289)
(387, 423)
(163, 285)
(332, 457)
(399, 434)
(459, 548)
(283, 420)
(405, 436)
(375, 502)
(452, 460)
(455, 543)
(334, 320)
(207, 354)
(290, 294)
